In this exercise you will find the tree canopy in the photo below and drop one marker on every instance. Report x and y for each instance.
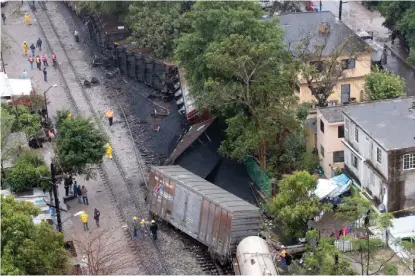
(238, 66)
(154, 25)
(295, 204)
(79, 144)
(381, 85)
(26, 248)
(26, 172)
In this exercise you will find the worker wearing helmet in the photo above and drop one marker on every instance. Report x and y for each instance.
(154, 229)
(25, 48)
(283, 255)
(135, 228)
(84, 219)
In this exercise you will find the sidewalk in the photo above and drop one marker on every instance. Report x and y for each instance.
(15, 62)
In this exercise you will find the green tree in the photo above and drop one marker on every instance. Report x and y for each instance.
(155, 25)
(117, 8)
(26, 248)
(7, 121)
(295, 204)
(237, 66)
(26, 172)
(25, 120)
(382, 85)
(79, 144)
(320, 258)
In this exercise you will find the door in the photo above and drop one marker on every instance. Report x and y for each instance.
(192, 219)
(345, 93)
(179, 205)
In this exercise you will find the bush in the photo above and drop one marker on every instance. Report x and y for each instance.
(26, 173)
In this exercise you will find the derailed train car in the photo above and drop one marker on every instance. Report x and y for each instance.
(209, 214)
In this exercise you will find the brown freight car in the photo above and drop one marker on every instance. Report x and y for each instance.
(209, 214)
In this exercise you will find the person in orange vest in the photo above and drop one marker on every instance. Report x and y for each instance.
(38, 63)
(110, 116)
(45, 60)
(25, 48)
(31, 62)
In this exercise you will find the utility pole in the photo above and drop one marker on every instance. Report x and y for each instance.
(321, 6)
(55, 195)
(340, 9)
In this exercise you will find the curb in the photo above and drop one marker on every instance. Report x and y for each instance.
(399, 56)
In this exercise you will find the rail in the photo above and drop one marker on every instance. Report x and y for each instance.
(155, 263)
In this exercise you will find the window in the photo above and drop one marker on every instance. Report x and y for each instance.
(355, 163)
(346, 125)
(321, 126)
(338, 156)
(379, 155)
(372, 179)
(319, 65)
(409, 161)
(356, 134)
(349, 63)
(340, 131)
(321, 150)
(345, 93)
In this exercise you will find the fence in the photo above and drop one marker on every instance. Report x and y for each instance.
(258, 176)
(346, 245)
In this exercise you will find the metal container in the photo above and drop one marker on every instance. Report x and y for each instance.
(254, 258)
(211, 215)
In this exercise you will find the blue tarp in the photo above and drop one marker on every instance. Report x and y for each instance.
(333, 187)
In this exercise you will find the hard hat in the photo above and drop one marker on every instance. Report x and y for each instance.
(282, 246)
(142, 221)
(134, 218)
(153, 221)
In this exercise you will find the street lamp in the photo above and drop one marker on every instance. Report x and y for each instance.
(46, 103)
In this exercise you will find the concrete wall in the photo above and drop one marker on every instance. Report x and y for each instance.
(355, 77)
(330, 142)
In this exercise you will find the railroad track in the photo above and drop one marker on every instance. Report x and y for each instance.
(123, 195)
(137, 128)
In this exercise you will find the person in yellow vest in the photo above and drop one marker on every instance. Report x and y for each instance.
(108, 150)
(283, 256)
(27, 19)
(25, 48)
(110, 116)
(84, 219)
(69, 116)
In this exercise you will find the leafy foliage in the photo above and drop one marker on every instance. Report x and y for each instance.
(27, 122)
(26, 172)
(117, 8)
(7, 121)
(295, 204)
(320, 257)
(382, 85)
(79, 144)
(399, 18)
(353, 208)
(237, 66)
(26, 248)
(155, 25)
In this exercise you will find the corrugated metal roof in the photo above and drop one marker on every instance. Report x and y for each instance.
(218, 195)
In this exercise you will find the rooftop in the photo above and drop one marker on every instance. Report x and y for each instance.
(390, 122)
(333, 114)
(304, 25)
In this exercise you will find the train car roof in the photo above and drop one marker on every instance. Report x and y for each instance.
(208, 190)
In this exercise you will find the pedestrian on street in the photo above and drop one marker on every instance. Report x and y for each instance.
(75, 188)
(283, 255)
(67, 183)
(30, 59)
(84, 219)
(79, 193)
(110, 116)
(45, 60)
(142, 228)
(33, 48)
(3, 17)
(135, 228)
(25, 48)
(38, 63)
(84, 192)
(27, 19)
(45, 75)
(76, 36)
(108, 150)
(97, 214)
(25, 75)
(154, 228)
(39, 44)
